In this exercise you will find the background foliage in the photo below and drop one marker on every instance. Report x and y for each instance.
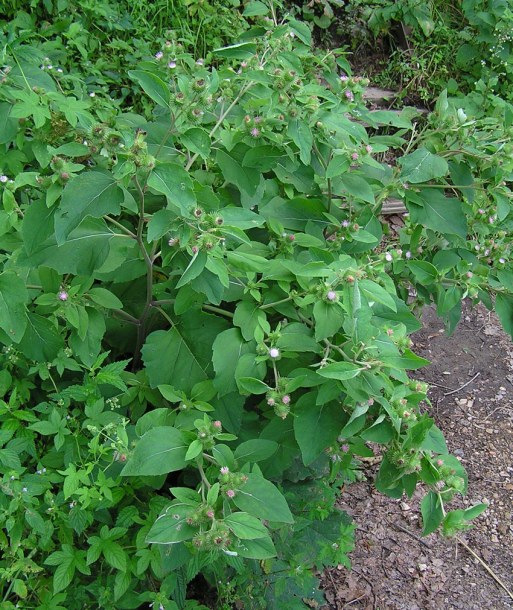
(205, 325)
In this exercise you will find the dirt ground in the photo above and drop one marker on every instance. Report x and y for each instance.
(394, 568)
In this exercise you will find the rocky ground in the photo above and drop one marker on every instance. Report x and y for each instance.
(394, 568)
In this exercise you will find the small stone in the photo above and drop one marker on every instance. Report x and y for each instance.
(404, 506)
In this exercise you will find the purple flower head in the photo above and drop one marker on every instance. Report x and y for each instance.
(255, 132)
(481, 211)
(224, 470)
(345, 223)
(408, 254)
(63, 295)
(217, 424)
(344, 77)
(200, 62)
(502, 261)
(345, 448)
(368, 148)
(286, 399)
(349, 95)
(355, 156)
(274, 353)
(171, 64)
(210, 514)
(388, 257)
(159, 55)
(230, 493)
(3, 179)
(331, 295)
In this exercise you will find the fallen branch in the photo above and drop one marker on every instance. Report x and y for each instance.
(463, 386)
(485, 566)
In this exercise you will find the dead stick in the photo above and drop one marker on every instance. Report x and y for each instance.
(463, 386)
(485, 566)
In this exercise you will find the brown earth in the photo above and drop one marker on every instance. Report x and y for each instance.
(394, 568)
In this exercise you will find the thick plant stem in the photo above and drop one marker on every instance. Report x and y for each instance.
(142, 322)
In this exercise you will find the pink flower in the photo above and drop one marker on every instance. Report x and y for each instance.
(343, 78)
(345, 448)
(210, 514)
(345, 223)
(286, 399)
(349, 95)
(481, 211)
(271, 402)
(230, 493)
(331, 295)
(63, 295)
(354, 156)
(274, 353)
(408, 254)
(217, 424)
(255, 132)
(291, 237)
(368, 148)
(225, 470)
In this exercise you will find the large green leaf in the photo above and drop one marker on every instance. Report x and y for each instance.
(41, 341)
(316, 426)
(432, 513)
(228, 348)
(159, 451)
(171, 526)
(175, 183)
(435, 211)
(182, 356)
(152, 85)
(421, 166)
(13, 296)
(260, 498)
(244, 178)
(245, 526)
(84, 251)
(89, 194)
(504, 309)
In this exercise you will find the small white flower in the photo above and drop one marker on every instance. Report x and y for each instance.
(3, 179)
(388, 257)
(274, 353)
(92, 94)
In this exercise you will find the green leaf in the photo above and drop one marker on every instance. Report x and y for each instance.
(241, 218)
(228, 348)
(425, 273)
(435, 441)
(248, 317)
(375, 292)
(197, 141)
(195, 448)
(422, 166)
(254, 8)
(329, 318)
(432, 513)
(340, 370)
(260, 498)
(245, 526)
(316, 426)
(84, 251)
(187, 350)
(89, 194)
(263, 548)
(244, 178)
(504, 309)
(152, 85)
(408, 360)
(159, 451)
(250, 385)
(437, 212)
(41, 341)
(13, 296)
(243, 50)
(193, 269)
(356, 186)
(171, 526)
(338, 165)
(302, 136)
(174, 182)
(105, 298)
(255, 450)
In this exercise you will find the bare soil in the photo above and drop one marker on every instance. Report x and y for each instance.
(394, 568)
